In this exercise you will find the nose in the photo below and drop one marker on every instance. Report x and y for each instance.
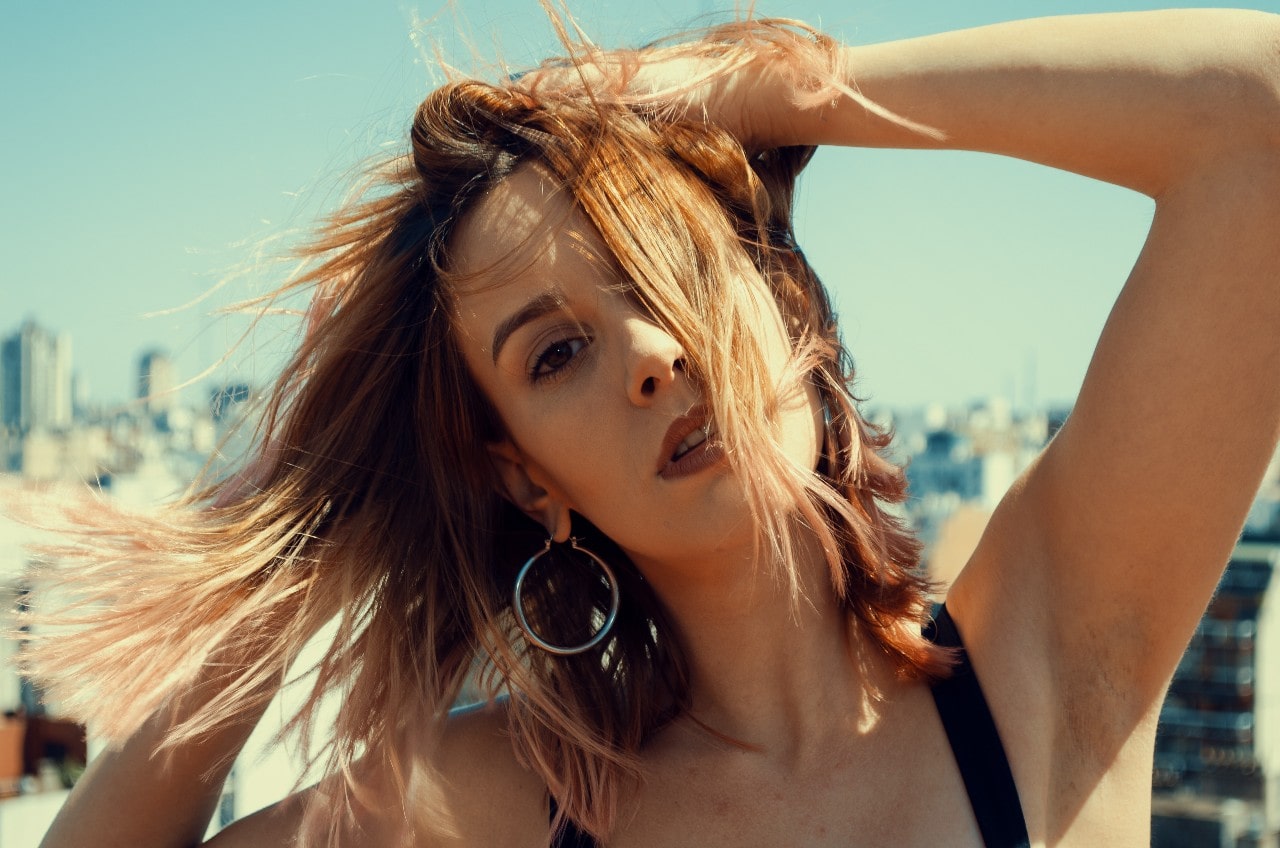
(654, 358)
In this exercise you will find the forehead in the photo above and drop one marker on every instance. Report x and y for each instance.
(526, 220)
(525, 238)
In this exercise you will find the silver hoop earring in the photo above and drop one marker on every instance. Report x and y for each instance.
(615, 602)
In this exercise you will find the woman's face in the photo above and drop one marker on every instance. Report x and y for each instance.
(602, 417)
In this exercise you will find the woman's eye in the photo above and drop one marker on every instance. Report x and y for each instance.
(554, 357)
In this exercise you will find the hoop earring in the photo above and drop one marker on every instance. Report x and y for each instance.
(615, 602)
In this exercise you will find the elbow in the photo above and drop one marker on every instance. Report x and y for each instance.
(1233, 89)
(1270, 25)
(1257, 83)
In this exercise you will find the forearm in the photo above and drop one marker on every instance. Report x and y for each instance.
(1136, 99)
(134, 796)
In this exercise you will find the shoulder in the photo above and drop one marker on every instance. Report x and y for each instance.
(465, 789)
(492, 799)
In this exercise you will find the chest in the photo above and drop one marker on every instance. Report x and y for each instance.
(894, 785)
(728, 813)
(899, 785)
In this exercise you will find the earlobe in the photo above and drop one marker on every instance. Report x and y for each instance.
(524, 490)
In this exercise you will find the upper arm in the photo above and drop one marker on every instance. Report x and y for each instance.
(1143, 495)
(1098, 564)
(1121, 530)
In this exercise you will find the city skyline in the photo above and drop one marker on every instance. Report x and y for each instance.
(147, 391)
(158, 153)
(41, 386)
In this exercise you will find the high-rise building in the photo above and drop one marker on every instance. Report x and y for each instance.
(156, 381)
(1217, 778)
(227, 402)
(35, 380)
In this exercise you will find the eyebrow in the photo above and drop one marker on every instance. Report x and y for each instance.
(543, 304)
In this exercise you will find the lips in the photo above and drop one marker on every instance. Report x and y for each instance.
(688, 445)
(690, 442)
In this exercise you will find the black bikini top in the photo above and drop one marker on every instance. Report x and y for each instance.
(975, 743)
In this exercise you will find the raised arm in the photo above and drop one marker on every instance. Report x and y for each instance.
(1112, 543)
(1099, 563)
(1096, 567)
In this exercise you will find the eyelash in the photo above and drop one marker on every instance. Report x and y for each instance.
(575, 345)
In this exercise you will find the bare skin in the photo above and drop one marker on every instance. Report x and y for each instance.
(1094, 569)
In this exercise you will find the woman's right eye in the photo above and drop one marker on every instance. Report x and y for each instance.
(555, 357)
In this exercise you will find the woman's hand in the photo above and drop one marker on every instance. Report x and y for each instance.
(676, 87)
(763, 83)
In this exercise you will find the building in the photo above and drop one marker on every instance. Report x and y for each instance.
(959, 466)
(226, 402)
(35, 380)
(1217, 758)
(156, 382)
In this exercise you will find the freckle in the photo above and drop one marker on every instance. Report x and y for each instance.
(777, 796)
(822, 830)
(722, 808)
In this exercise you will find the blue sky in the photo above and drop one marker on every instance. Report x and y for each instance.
(149, 150)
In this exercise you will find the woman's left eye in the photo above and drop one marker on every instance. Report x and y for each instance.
(555, 357)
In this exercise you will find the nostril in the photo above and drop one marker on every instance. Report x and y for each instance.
(647, 387)
(678, 365)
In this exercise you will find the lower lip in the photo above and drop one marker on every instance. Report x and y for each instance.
(704, 456)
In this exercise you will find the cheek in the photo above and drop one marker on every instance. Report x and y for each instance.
(800, 421)
(800, 418)
(573, 449)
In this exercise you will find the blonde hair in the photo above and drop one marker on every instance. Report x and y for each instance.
(375, 501)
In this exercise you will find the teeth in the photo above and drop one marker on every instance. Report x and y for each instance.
(690, 442)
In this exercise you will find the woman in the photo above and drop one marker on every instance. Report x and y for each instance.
(576, 313)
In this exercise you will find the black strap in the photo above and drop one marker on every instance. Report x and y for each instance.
(976, 745)
(569, 835)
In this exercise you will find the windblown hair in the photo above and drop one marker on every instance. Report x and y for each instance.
(374, 500)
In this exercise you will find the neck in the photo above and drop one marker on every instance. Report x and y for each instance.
(781, 675)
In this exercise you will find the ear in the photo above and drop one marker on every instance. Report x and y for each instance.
(525, 485)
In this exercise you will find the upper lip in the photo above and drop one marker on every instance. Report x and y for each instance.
(695, 419)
